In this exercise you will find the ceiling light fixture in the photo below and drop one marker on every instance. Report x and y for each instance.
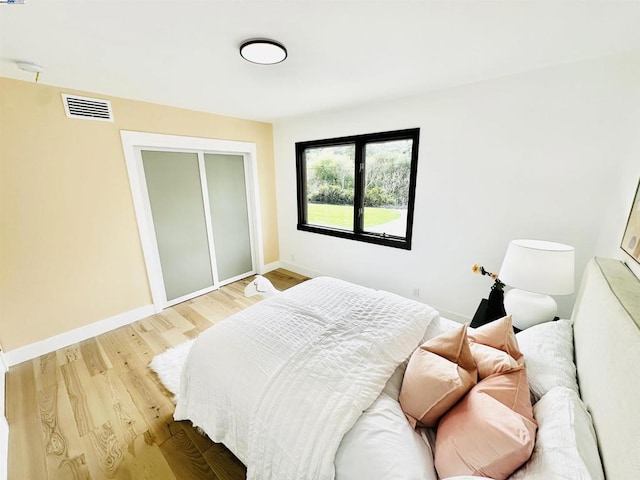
(263, 51)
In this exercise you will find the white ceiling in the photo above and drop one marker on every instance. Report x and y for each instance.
(185, 53)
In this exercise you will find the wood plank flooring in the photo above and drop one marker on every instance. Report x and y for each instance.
(94, 410)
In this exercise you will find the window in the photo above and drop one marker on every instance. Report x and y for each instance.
(360, 187)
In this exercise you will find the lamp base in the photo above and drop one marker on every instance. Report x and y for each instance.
(528, 309)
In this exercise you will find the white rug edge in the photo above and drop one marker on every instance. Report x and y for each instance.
(168, 366)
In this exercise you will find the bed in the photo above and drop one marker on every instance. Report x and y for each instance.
(305, 384)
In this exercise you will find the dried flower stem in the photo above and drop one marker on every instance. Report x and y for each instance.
(477, 268)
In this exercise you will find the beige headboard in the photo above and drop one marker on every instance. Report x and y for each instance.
(607, 349)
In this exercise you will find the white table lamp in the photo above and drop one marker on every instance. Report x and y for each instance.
(536, 269)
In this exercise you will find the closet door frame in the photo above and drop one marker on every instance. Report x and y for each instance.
(133, 143)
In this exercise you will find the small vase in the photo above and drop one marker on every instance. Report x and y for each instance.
(495, 308)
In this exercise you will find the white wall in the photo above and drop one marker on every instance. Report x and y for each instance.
(624, 188)
(536, 155)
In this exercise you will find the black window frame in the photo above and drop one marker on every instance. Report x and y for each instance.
(360, 142)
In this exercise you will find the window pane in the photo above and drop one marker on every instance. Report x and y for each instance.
(386, 193)
(330, 186)
(381, 190)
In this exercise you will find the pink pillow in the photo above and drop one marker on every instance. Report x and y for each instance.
(494, 347)
(497, 334)
(491, 432)
(440, 372)
(491, 360)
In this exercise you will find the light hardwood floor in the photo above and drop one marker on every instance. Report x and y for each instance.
(94, 410)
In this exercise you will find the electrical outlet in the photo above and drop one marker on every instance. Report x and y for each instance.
(416, 292)
(293, 257)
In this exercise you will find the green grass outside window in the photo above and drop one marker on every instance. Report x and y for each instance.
(342, 215)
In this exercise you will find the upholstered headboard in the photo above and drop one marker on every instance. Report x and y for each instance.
(607, 348)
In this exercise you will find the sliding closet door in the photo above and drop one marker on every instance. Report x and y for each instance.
(177, 206)
(229, 214)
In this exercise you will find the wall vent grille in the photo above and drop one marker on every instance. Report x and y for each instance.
(87, 108)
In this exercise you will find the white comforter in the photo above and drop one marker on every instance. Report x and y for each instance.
(281, 383)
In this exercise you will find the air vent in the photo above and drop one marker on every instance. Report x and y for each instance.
(87, 108)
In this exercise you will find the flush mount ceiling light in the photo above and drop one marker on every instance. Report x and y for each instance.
(263, 51)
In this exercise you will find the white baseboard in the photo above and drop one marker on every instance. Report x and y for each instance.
(34, 350)
(300, 270)
(4, 366)
(269, 267)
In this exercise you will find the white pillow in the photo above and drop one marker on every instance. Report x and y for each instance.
(566, 445)
(548, 357)
(383, 446)
(392, 388)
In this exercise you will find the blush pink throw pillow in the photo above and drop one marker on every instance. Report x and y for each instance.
(491, 432)
(440, 372)
(494, 347)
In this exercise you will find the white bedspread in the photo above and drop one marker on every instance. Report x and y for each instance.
(281, 383)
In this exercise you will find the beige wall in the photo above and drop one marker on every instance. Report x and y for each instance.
(70, 252)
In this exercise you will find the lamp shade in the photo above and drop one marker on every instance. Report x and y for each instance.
(539, 266)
